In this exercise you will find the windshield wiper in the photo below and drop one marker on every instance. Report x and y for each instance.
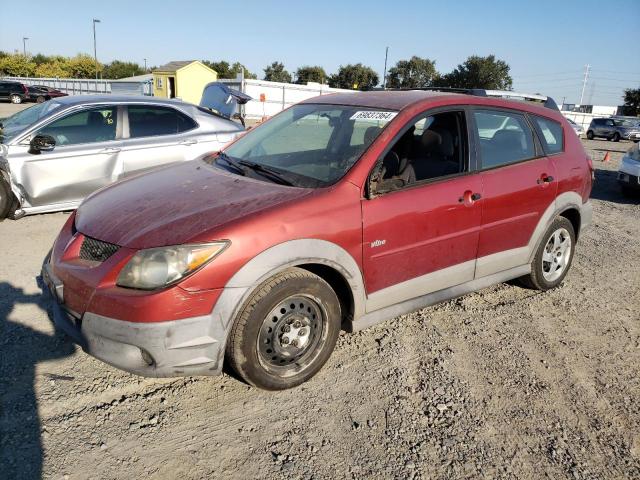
(234, 163)
(267, 172)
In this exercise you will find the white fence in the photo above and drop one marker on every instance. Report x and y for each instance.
(81, 86)
(270, 98)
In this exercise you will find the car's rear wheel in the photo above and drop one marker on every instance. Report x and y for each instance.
(616, 137)
(553, 257)
(286, 331)
(40, 99)
(590, 135)
(15, 98)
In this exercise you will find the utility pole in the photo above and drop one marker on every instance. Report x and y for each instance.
(95, 50)
(145, 65)
(24, 45)
(584, 82)
(384, 76)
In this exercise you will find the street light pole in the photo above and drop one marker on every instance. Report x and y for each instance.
(145, 65)
(384, 77)
(95, 50)
(24, 45)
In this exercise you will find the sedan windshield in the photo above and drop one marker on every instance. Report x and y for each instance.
(13, 125)
(310, 145)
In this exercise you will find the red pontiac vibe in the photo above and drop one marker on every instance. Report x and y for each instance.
(340, 212)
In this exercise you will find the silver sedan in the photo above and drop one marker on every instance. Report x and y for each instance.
(54, 154)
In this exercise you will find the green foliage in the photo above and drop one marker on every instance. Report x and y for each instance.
(632, 101)
(310, 74)
(357, 77)
(83, 66)
(118, 69)
(56, 68)
(226, 70)
(277, 73)
(479, 72)
(17, 65)
(413, 73)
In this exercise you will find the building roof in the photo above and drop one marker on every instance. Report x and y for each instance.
(147, 77)
(174, 65)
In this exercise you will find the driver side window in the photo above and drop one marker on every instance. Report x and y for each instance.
(87, 126)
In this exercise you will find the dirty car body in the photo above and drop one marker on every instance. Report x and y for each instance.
(98, 140)
(340, 212)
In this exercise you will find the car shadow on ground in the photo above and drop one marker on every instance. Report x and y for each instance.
(606, 188)
(21, 350)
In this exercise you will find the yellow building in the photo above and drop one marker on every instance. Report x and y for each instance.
(185, 80)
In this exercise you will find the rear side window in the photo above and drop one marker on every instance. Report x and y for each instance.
(505, 138)
(550, 134)
(151, 121)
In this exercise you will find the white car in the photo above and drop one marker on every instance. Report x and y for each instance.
(629, 172)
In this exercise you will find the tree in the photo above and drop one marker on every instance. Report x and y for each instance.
(413, 73)
(632, 101)
(83, 66)
(277, 73)
(118, 69)
(16, 65)
(479, 72)
(358, 77)
(226, 70)
(54, 69)
(308, 73)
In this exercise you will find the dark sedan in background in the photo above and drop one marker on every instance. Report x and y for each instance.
(41, 93)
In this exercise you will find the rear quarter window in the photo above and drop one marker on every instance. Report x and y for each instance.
(551, 135)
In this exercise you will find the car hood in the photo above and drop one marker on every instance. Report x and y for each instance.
(176, 205)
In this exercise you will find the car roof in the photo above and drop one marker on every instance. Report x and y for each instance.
(401, 99)
(91, 99)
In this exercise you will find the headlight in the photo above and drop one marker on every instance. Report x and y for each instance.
(158, 267)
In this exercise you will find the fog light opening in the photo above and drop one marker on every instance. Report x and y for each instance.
(146, 357)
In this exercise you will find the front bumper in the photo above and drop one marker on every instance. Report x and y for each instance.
(190, 346)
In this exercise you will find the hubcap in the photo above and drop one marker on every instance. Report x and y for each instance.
(556, 255)
(290, 334)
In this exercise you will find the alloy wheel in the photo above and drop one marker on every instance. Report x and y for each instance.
(556, 255)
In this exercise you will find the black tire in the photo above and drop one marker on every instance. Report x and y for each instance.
(15, 98)
(537, 279)
(40, 99)
(590, 135)
(7, 200)
(616, 137)
(279, 309)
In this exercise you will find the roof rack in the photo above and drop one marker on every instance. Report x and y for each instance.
(481, 92)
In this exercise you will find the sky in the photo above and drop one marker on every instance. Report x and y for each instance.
(547, 43)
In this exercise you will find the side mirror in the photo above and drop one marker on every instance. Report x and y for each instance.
(42, 143)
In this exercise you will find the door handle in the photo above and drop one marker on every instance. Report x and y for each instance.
(545, 179)
(190, 141)
(110, 150)
(469, 197)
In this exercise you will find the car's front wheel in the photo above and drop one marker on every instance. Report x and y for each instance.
(41, 99)
(7, 200)
(590, 135)
(286, 331)
(616, 137)
(15, 99)
(553, 257)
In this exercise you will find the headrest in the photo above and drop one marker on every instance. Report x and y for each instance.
(446, 144)
(391, 164)
(430, 140)
(510, 138)
(95, 118)
(370, 134)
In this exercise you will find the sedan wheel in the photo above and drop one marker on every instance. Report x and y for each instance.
(40, 99)
(590, 135)
(16, 99)
(616, 137)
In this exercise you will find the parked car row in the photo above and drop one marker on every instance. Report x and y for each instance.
(339, 212)
(17, 92)
(614, 129)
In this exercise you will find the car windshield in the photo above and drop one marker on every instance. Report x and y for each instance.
(13, 125)
(311, 145)
(625, 123)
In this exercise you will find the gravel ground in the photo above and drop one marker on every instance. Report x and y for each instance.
(504, 383)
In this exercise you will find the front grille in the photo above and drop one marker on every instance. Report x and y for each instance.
(96, 250)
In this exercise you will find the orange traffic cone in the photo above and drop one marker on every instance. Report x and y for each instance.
(606, 157)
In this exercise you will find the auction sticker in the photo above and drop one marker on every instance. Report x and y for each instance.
(373, 115)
